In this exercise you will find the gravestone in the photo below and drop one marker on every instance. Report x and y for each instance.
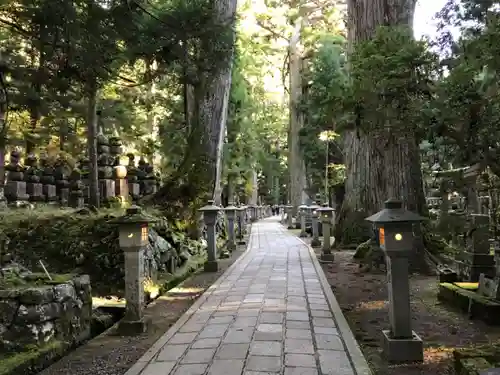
(32, 177)
(62, 183)
(477, 258)
(105, 169)
(15, 187)
(132, 179)
(48, 180)
(76, 186)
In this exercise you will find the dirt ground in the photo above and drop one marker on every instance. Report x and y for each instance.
(108, 354)
(363, 299)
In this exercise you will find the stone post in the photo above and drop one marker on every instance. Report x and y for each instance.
(315, 242)
(289, 216)
(241, 224)
(326, 217)
(396, 238)
(210, 212)
(230, 215)
(282, 213)
(133, 236)
(302, 215)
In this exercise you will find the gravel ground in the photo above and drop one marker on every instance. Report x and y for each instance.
(363, 299)
(108, 354)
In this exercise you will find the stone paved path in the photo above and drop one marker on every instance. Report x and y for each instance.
(267, 315)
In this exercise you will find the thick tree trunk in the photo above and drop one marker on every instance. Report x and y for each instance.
(383, 165)
(213, 103)
(94, 196)
(296, 163)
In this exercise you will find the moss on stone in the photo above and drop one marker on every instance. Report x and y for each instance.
(168, 281)
(32, 360)
(468, 286)
(32, 280)
(472, 366)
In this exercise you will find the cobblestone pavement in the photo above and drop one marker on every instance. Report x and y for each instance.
(267, 315)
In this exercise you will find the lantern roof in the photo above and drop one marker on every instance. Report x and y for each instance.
(134, 215)
(210, 207)
(394, 212)
(231, 207)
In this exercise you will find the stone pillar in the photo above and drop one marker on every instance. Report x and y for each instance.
(289, 216)
(302, 216)
(133, 236)
(241, 225)
(210, 212)
(315, 230)
(230, 215)
(396, 238)
(326, 216)
(134, 283)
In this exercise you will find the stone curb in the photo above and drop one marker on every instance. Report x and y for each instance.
(355, 354)
(142, 362)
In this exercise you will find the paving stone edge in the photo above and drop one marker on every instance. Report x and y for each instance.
(142, 362)
(355, 354)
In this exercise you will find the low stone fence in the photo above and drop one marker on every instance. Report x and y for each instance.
(38, 315)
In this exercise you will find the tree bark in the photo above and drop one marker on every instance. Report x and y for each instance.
(295, 158)
(382, 165)
(94, 196)
(213, 103)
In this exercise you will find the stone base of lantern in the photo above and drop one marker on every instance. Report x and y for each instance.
(303, 234)
(315, 242)
(402, 350)
(211, 266)
(242, 242)
(133, 328)
(326, 258)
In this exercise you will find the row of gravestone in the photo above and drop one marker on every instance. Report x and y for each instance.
(37, 181)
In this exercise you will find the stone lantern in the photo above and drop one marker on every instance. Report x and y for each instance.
(210, 212)
(289, 217)
(241, 224)
(133, 236)
(326, 216)
(396, 238)
(315, 242)
(302, 215)
(230, 215)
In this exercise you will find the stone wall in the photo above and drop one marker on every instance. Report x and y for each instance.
(40, 314)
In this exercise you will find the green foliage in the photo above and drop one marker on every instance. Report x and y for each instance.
(390, 81)
(323, 106)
